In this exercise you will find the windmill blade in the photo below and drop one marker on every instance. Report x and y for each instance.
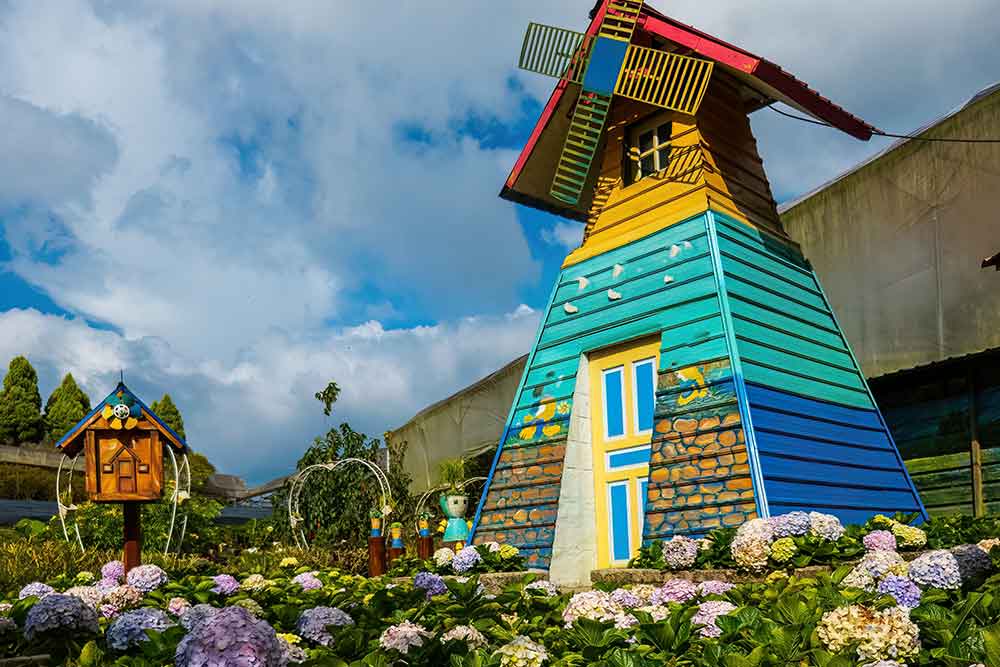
(666, 80)
(619, 19)
(555, 52)
(580, 146)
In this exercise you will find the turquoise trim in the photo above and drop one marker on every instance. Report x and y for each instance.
(871, 396)
(753, 456)
(510, 415)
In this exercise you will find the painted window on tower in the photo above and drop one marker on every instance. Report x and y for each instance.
(623, 391)
(649, 147)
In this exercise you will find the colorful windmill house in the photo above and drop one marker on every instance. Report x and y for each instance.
(689, 372)
(122, 442)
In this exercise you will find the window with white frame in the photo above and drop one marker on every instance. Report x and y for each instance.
(649, 147)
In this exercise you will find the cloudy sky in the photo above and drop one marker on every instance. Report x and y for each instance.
(238, 201)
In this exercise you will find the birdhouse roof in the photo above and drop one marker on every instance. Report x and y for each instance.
(762, 83)
(122, 394)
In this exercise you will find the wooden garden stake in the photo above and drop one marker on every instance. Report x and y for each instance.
(132, 534)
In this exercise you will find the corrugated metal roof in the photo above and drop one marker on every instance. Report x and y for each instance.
(984, 93)
(937, 365)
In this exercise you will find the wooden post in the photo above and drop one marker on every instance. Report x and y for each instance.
(395, 552)
(975, 452)
(425, 547)
(133, 534)
(376, 556)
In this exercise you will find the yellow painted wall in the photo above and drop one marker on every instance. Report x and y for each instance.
(714, 164)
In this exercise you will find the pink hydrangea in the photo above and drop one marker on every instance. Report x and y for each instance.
(880, 540)
(674, 590)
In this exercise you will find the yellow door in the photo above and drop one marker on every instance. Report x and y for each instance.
(622, 399)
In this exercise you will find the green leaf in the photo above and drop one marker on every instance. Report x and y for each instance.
(991, 642)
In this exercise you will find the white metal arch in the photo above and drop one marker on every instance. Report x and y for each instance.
(298, 482)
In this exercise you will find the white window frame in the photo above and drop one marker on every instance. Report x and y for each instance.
(635, 157)
(604, 402)
(635, 394)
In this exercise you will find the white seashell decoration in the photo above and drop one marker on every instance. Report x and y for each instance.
(570, 308)
(613, 295)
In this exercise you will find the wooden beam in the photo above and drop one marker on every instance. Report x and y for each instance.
(975, 452)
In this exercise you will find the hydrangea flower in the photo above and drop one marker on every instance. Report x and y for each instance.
(756, 528)
(626, 598)
(825, 526)
(308, 581)
(878, 635)
(146, 578)
(84, 578)
(196, 615)
(121, 597)
(708, 612)
(522, 652)
(860, 578)
(879, 540)
(225, 584)
(715, 587)
(231, 637)
(251, 606)
(674, 590)
(129, 629)
(113, 570)
(404, 636)
(5, 608)
(466, 559)
(988, 544)
(314, 624)
(750, 552)
(783, 549)
(431, 583)
(595, 605)
(63, 614)
(657, 612)
(679, 552)
(508, 551)
(908, 537)
(36, 589)
(492, 547)
(177, 606)
(906, 593)
(938, 569)
(289, 648)
(974, 565)
(443, 556)
(545, 586)
(465, 634)
(255, 582)
(792, 524)
(881, 562)
(91, 595)
(644, 592)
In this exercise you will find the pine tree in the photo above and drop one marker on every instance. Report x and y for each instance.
(67, 405)
(21, 404)
(168, 412)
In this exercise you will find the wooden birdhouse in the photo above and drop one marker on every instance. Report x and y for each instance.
(122, 441)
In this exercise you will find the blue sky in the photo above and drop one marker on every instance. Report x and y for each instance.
(237, 201)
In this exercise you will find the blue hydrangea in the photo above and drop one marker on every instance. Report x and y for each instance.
(906, 593)
(36, 589)
(792, 524)
(938, 569)
(225, 584)
(430, 582)
(314, 624)
(196, 615)
(974, 564)
(231, 637)
(129, 629)
(146, 578)
(466, 559)
(64, 614)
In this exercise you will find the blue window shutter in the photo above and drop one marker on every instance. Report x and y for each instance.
(613, 404)
(644, 395)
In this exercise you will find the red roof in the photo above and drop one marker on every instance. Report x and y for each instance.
(765, 77)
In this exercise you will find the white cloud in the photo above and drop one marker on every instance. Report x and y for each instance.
(566, 235)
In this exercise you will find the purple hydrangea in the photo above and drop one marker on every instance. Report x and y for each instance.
(626, 598)
(974, 564)
(715, 587)
(177, 606)
(431, 583)
(314, 624)
(231, 637)
(906, 593)
(792, 524)
(64, 614)
(938, 569)
(708, 612)
(880, 540)
(674, 590)
(225, 584)
(36, 589)
(466, 559)
(196, 615)
(680, 552)
(146, 578)
(113, 570)
(307, 580)
(129, 629)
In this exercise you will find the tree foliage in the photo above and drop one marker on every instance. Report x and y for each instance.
(67, 405)
(168, 412)
(20, 404)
